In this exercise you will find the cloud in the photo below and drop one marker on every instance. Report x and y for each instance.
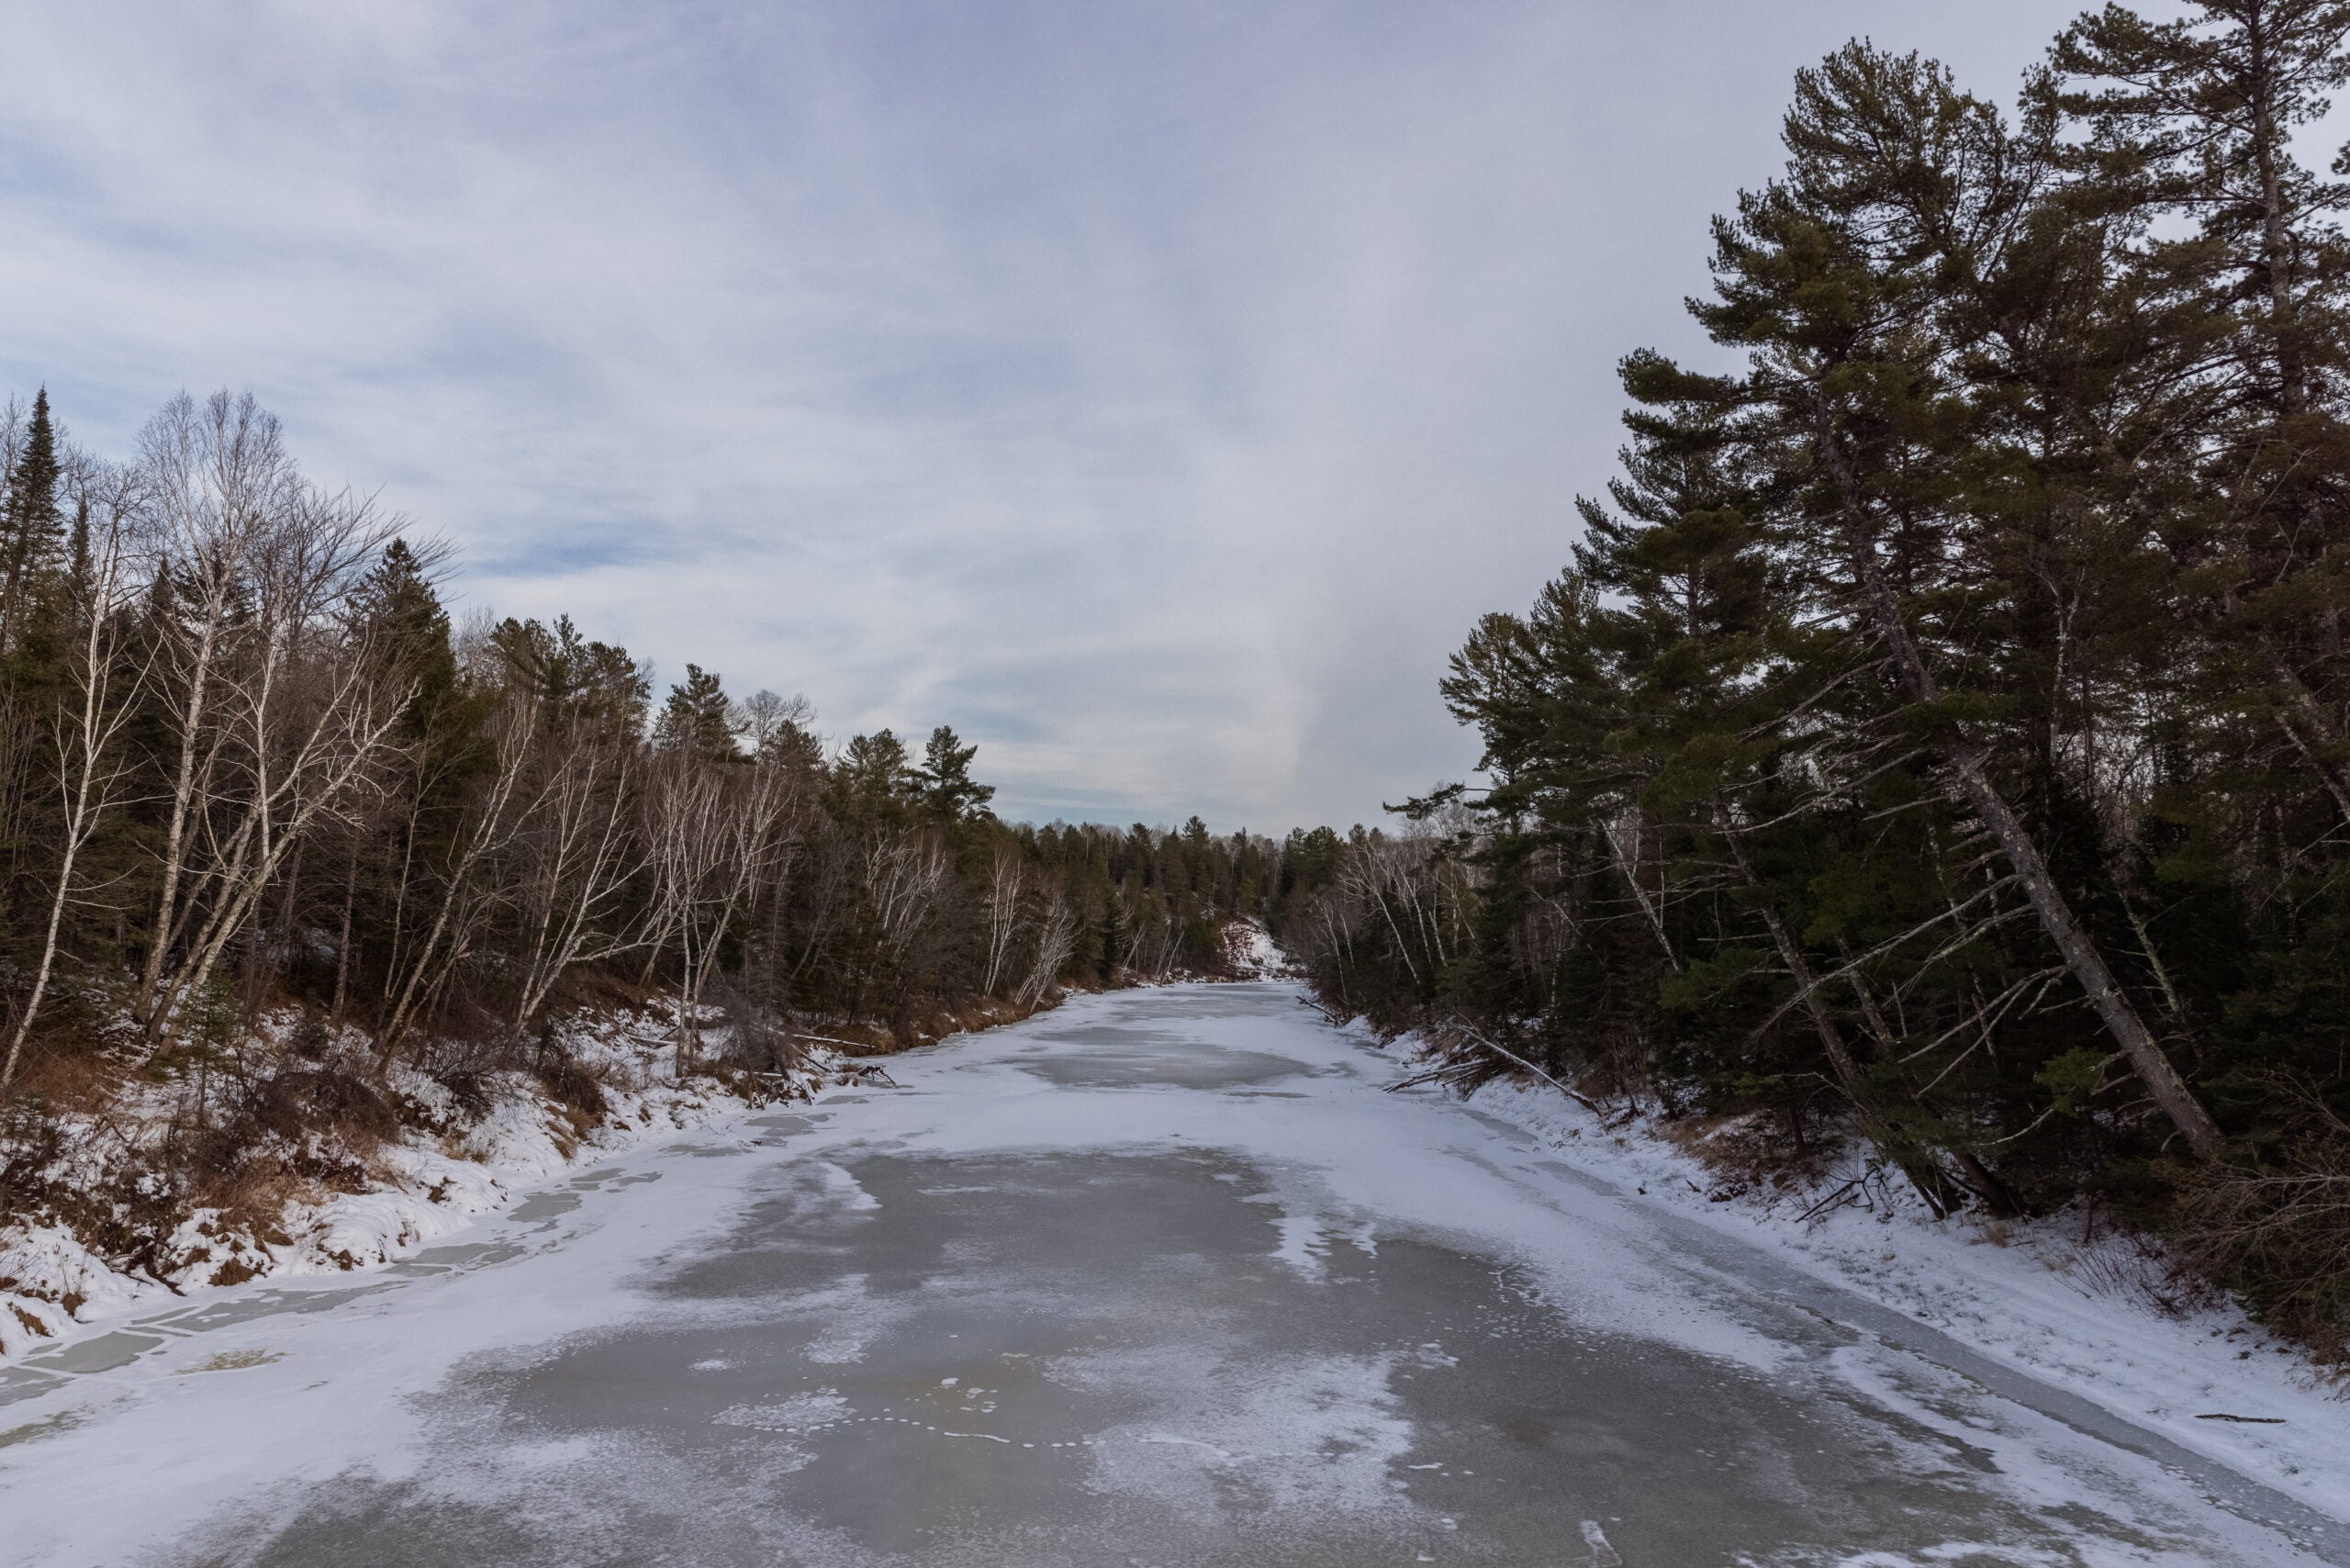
(1156, 393)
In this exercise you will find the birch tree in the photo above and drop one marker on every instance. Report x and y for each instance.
(105, 680)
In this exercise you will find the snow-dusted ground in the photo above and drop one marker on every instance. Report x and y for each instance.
(1161, 1276)
(1251, 953)
(430, 1187)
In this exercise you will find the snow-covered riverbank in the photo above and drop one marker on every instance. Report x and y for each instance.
(1166, 1270)
(2097, 1318)
(423, 1183)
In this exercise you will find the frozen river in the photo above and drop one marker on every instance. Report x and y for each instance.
(1161, 1278)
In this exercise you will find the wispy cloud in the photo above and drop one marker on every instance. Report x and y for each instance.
(1154, 393)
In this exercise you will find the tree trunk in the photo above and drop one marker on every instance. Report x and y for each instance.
(175, 836)
(1975, 790)
(1924, 1175)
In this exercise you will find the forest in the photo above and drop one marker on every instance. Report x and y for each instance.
(1937, 745)
(252, 770)
(1933, 759)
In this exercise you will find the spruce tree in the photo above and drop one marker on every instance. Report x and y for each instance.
(31, 530)
(400, 609)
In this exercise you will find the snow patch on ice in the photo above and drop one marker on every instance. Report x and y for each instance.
(1316, 1434)
(1302, 1247)
(799, 1414)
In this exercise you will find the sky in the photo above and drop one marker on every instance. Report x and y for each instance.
(1155, 393)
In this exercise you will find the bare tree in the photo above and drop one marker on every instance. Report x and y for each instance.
(496, 819)
(575, 857)
(1003, 917)
(216, 477)
(712, 833)
(906, 869)
(1055, 940)
(280, 712)
(306, 717)
(1151, 952)
(766, 717)
(1419, 894)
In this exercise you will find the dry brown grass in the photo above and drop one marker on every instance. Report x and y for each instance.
(249, 1134)
(596, 990)
(1748, 1155)
(67, 1078)
(2114, 1260)
(2275, 1228)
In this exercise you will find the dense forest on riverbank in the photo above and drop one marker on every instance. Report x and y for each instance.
(1937, 740)
(251, 769)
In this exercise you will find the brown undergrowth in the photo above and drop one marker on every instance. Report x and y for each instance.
(2271, 1224)
(184, 1169)
(1745, 1157)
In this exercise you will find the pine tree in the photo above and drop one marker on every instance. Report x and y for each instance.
(874, 774)
(1836, 282)
(2189, 125)
(700, 718)
(591, 686)
(951, 794)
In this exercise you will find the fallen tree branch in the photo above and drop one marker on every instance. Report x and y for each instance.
(1325, 1011)
(1507, 1055)
(858, 1046)
(1454, 1070)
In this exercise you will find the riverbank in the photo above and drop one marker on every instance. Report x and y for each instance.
(1165, 1274)
(421, 1158)
(2091, 1310)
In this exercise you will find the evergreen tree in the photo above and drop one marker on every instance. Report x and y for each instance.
(78, 549)
(874, 774)
(399, 607)
(1963, 663)
(700, 718)
(951, 794)
(577, 683)
(31, 530)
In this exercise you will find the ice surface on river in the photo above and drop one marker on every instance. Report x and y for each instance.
(1163, 1276)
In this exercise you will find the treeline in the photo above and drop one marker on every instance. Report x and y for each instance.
(1937, 740)
(247, 763)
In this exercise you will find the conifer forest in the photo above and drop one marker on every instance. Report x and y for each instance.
(1938, 737)
(1934, 750)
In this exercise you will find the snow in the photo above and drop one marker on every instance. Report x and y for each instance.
(1251, 953)
(430, 1187)
(2027, 1295)
(327, 1379)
